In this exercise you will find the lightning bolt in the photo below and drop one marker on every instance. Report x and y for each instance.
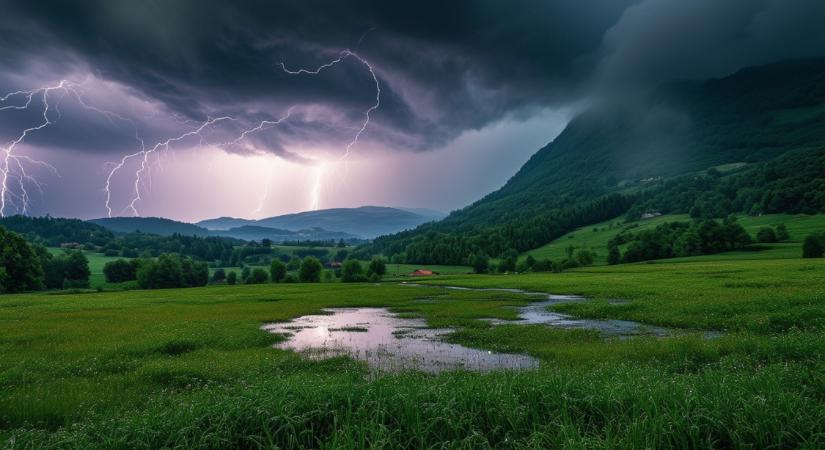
(341, 57)
(144, 154)
(12, 168)
(14, 175)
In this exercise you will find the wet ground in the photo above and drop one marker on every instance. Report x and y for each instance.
(387, 342)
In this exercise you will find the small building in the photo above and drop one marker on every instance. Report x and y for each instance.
(71, 245)
(422, 273)
(333, 265)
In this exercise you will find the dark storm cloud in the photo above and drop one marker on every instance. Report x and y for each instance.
(444, 67)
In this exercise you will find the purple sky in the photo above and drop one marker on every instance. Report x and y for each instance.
(185, 110)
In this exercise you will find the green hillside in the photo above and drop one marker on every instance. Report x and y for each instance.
(595, 237)
(610, 158)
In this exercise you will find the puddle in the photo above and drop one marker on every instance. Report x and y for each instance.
(536, 313)
(387, 342)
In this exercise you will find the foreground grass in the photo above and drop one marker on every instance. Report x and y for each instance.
(191, 368)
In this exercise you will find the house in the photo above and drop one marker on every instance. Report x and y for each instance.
(333, 265)
(422, 273)
(71, 245)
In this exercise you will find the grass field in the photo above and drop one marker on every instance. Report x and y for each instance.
(96, 263)
(191, 367)
(595, 237)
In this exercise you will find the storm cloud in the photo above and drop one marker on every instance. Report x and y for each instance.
(444, 68)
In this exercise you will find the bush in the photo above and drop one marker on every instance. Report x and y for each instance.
(20, 267)
(352, 272)
(232, 278)
(782, 233)
(378, 266)
(219, 276)
(257, 276)
(480, 263)
(277, 271)
(310, 270)
(585, 257)
(171, 271)
(814, 246)
(120, 270)
(614, 256)
(766, 235)
(71, 266)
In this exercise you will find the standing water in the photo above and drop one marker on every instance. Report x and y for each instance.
(387, 342)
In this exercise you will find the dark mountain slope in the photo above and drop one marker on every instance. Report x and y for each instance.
(753, 115)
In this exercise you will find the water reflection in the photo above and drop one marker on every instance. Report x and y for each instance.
(387, 342)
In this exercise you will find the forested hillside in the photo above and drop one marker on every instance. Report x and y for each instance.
(611, 159)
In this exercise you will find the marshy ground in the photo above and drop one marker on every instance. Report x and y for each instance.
(193, 367)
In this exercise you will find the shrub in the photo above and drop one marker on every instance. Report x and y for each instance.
(378, 266)
(120, 270)
(219, 276)
(257, 276)
(766, 235)
(585, 257)
(232, 278)
(310, 270)
(614, 256)
(277, 271)
(782, 233)
(814, 246)
(352, 271)
(480, 263)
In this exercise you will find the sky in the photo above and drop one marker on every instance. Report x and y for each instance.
(192, 110)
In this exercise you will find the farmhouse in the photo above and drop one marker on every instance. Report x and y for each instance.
(422, 273)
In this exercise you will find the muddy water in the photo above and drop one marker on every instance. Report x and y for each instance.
(387, 342)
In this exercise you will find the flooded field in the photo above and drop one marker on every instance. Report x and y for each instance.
(387, 342)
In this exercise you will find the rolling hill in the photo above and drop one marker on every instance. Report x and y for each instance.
(614, 156)
(168, 227)
(364, 222)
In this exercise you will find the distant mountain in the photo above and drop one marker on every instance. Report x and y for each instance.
(150, 225)
(256, 233)
(224, 223)
(366, 221)
(167, 227)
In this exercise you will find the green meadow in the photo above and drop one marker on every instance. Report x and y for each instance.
(187, 368)
(595, 237)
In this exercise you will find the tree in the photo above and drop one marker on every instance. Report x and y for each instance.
(266, 243)
(257, 276)
(813, 247)
(20, 268)
(480, 263)
(245, 273)
(219, 275)
(352, 271)
(120, 270)
(766, 235)
(782, 233)
(294, 263)
(310, 270)
(377, 266)
(585, 257)
(163, 273)
(530, 261)
(614, 256)
(232, 278)
(277, 271)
